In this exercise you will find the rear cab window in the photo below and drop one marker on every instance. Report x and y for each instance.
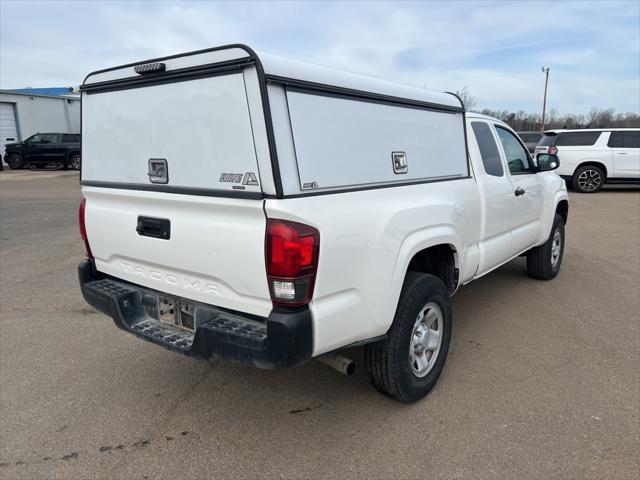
(488, 149)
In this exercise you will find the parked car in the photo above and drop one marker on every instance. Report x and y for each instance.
(590, 158)
(45, 149)
(310, 210)
(530, 139)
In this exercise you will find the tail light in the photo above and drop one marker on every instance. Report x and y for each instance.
(552, 150)
(292, 261)
(83, 228)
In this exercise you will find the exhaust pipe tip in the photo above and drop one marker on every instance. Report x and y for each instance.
(351, 368)
(342, 364)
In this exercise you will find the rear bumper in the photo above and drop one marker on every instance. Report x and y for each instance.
(282, 340)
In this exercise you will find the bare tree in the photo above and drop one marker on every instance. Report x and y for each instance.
(596, 117)
(592, 116)
(467, 99)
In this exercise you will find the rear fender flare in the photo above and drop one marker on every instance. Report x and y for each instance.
(415, 242)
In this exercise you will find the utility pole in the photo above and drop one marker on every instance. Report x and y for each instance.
(545, 70)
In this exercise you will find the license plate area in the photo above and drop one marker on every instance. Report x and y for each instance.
(177, 312)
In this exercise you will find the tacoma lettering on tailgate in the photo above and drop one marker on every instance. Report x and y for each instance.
(171, 279)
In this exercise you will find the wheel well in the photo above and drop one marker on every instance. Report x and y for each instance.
(439, 260)
(72, 153)
(594, 164)
(563, 210)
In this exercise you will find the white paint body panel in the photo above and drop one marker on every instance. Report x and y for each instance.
(367, 239)
(215, 254)
(497, 213)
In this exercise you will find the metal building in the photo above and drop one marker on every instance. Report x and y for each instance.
(24, 114)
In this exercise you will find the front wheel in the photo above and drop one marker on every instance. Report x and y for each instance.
(406, 365)
(15, 161)
(544, 262)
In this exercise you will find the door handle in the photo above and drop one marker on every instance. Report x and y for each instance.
(519, 191)
(622, 153)
(154, 227)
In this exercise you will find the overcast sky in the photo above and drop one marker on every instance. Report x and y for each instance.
(496, 49)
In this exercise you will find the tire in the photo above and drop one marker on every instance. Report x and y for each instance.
(15, 161)
(544, 262)
(392, 369)
(74, 161)
(588, 179)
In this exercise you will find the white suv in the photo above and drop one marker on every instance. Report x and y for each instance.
(589, 158)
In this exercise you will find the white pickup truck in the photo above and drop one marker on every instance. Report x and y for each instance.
(267, 211)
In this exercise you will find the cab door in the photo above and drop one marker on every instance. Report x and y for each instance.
(626, 153)
(527, 190)
(32, 148)
(51, 149)
(498, 202)
(41, 147)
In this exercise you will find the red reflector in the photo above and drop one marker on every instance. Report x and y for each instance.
(83, 228)
(552, 150)
(292, 261)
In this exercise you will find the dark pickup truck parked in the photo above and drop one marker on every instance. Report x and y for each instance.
(45, 149)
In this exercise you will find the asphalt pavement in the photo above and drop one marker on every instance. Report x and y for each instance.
(542, 379)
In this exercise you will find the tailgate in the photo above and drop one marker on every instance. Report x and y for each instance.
(214, 253)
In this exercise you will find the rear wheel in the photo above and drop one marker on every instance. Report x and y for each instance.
(544, 262)
(15, 161)
(588, 179)
(406, 365)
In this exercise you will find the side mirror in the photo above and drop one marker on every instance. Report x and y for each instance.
(547, 162)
